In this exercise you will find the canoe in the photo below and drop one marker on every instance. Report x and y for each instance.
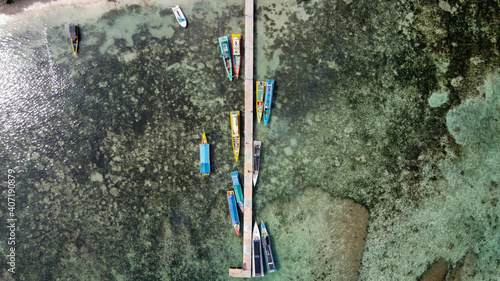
(268, 253)
(234, 212)
(226, 56)
(257, 267)
(179, 15)
(237, 190)
(256, 161)
(235, 133)
(73, 35)
(260, 89)
(204, 156)
(267, 103)
(236, 40)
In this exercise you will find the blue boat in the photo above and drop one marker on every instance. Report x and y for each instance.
(234, 211)
(267, 103)
(237, 190)
(226, 56)
(266, 243)
(204, 156)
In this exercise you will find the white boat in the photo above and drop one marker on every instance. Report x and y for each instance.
(256, 161)
(257, 265)
(181, 19)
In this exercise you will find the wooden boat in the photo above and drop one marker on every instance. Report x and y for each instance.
(267, 103)
(204, 156)
(226, 56)
(236, 40)
(179, 15)
(257, 267)
(235, 133)
(256, 161)
(237, 190)
(266, 243)
(234, 212)
(260, 89)
(73, 35)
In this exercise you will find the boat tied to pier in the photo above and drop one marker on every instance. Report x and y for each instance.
(226, 56)
(237, 190)
(204, 156)
(235, 133)
(236, 40)
(256, 161)
(260, 89)
(179, 16)
(73, 35)
(266, 243)
(235, 220)
(257, 265)
(267, 103)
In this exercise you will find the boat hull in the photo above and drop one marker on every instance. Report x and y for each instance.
(179, 16)
(74, 36)
(204, 156)
(237, 190)
(259, 91)
(236, 42)
(235, 220)
(268, 253)
(269, 98)
(235, 133)
(226, 56)
(257, 265)
(256, 161)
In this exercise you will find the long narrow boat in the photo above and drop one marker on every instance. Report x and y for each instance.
(235, 133)
(256, 161)
(257, 267)
(260, 89)
(237, 190)
(268, 253)
(236, 40)
(73, 35)
(269, 98)
(234, 212)
(179, 15)
(204, 156)
(226, 56)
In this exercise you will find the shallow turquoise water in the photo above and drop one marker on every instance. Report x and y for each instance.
(105, 144)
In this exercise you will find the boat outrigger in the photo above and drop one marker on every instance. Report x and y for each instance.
(73, 35)
(257, 268)
(234, 212)
(235, 133)
(256, 161)
(266, 243)
(226, 56)
(261, 87)
(269, 97)
(236, 40)
(179, 15)
(204, 156)
(237, 190)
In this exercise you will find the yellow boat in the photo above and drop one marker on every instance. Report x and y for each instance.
(73, 35)
(235, 133)
(261, 86)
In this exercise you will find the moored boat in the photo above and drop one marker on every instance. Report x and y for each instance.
(204, 156)
(256, 161)
(266, 243)
(260, 89)
(236, 40)
(269, 98)
(179, 15)
(257, 266)
(226, 56)
(237, 190)
(73, 35)
(234, 212)
(235, 133)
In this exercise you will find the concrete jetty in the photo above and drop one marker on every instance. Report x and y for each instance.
(246, 270)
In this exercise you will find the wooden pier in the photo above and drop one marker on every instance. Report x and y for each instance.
(246, 270)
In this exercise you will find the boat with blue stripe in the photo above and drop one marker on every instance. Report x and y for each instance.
(268, 253)
(234, 211)
(269, 98)
(226, 56)
(204, 156)
(237, 190)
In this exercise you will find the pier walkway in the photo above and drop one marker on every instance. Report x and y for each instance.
(246, 270)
